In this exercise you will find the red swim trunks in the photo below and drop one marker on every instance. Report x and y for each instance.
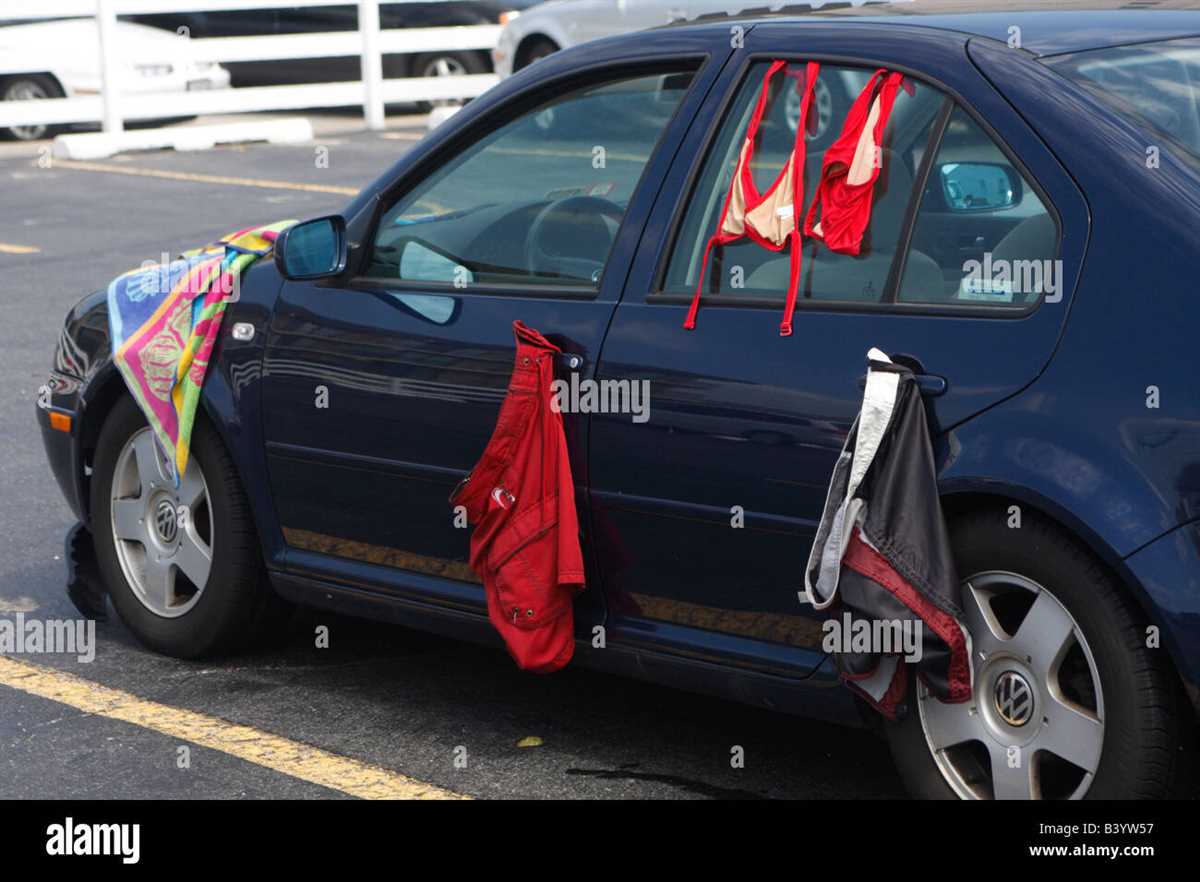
(521, 498)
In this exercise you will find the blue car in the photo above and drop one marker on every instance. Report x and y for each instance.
(1029, 256)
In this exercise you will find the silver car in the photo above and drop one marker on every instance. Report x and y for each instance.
(558, 24)
(548, 27)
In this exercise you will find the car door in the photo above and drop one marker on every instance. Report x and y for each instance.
(381, 392)
(705, 510)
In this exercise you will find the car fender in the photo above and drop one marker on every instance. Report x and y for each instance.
(232, 397)
(85, 382)
(534, 25)
(1012, 456)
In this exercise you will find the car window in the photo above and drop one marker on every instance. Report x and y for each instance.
(744, 269)
(537, 201)
(982, 235)
(1155, 85)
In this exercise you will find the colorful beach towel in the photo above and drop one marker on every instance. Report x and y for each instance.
(164, 320)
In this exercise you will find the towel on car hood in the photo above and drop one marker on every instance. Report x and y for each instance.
(883, 549)
(163, 321)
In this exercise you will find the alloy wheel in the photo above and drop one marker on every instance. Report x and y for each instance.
(443, 66)
(162, 533)
(822, 107)
(1034, 725)
(26, 90)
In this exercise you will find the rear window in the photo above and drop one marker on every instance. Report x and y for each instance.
(1154, 85)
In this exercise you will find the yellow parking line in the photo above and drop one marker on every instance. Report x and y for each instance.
(261, 183)
(244, 742)
(5, 248)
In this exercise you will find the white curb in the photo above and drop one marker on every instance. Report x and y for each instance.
(98, 145)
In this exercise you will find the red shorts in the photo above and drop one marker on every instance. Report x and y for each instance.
(521, 498)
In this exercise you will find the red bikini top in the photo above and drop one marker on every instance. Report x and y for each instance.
(770, 219)
(851, 166)
(843, 194)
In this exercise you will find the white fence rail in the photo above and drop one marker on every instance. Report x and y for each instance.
(114, 105)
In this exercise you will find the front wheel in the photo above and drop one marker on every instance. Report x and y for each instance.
(182, 564)
(29, 87)
(1068, 700)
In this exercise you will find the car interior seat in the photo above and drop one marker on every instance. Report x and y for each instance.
(831, 276)
(1034, 239)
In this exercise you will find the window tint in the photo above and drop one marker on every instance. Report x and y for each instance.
(536, 202)
(982, 235)
(745, 269)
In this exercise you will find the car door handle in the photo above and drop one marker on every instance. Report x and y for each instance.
(931, 385)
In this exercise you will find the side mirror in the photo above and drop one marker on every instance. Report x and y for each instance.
(979, 186)
(314, 249)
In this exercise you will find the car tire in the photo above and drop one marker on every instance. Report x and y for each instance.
(235, 604)
(1148, 740)
(24, 87)
(534, 49)
(443, 64)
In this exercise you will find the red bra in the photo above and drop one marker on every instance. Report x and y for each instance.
(772, 219)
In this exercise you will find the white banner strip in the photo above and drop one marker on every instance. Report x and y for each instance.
(397, 40)
(262, 98)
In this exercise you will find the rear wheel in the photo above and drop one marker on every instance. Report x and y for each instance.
(29, 87)
(1068, 701)
(182, 564)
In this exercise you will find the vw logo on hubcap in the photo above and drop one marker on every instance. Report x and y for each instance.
(165, 521)
(1014, 698)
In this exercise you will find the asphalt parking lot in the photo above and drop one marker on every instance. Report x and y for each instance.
(381, 701)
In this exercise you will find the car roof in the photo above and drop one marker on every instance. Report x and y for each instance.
(1046, 28)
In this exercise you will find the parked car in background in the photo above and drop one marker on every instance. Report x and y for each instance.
(1022, 258)
(561, 23)
(61, 59)
(301, 20)
(558, 24)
